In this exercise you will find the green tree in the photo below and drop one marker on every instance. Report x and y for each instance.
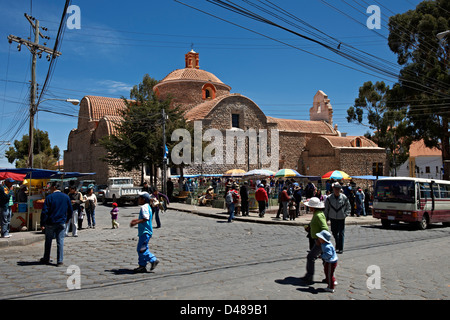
(45, 157)
(388, 127)
(139, 138)
(423, 90)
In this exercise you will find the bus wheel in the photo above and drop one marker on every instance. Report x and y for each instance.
(423, 224)
(385, 223)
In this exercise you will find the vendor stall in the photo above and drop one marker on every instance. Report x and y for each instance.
(27, 215)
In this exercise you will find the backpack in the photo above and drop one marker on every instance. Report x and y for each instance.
(229, 197)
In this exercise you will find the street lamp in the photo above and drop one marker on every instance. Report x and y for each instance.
(442, 35)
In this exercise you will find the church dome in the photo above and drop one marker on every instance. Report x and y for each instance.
(191, 74)
(191, 86)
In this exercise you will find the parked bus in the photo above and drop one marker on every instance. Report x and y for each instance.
(412, 200)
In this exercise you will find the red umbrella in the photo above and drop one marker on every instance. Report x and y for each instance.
(14, 176)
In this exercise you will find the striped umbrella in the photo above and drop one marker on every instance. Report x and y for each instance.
(337, 175)
(287, 173)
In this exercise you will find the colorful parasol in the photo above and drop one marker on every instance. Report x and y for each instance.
(234, 173)
(287, 173)
(337, 175)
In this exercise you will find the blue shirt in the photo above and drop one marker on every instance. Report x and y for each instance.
(328, 253)
(146, 226)
(57, 209)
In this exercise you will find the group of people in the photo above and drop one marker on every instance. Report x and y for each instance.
(335, 208)
(59, 210)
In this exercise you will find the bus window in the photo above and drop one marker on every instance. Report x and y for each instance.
(445, 191)
(436, 191)
(425, 190)
(395, 191)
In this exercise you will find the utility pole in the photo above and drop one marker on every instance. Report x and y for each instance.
(164, 166)
(36, 50)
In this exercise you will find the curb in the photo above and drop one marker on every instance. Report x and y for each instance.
(258, 220)
(20, 241)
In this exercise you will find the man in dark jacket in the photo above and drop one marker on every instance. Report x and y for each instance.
(56, 212)
(244, 198)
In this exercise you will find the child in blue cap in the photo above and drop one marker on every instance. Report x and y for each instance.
(145, 231)
(329, 258)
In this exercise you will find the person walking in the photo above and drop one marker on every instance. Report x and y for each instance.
(337, 208)
(318, 223)
(76, 199)
(90, 201)
(360, 207)
(284, 199)
(161, 203)
(145, 232)
(56, 212)
(244, 199)
(6, 202)
(262, 198)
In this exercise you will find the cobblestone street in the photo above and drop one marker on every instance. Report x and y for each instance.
(207, 258)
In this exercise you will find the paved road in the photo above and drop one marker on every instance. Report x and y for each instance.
(205, 258)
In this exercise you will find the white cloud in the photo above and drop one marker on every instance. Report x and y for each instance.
(114, 87)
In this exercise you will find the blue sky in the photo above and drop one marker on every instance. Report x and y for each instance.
(119, 42)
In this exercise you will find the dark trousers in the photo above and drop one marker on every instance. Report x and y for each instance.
(262, 208)
(338, 230)
(244, 207)
(313, 254)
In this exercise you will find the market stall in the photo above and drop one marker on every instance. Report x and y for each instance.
(26, 215)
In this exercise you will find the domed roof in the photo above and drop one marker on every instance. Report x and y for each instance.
(191, 74)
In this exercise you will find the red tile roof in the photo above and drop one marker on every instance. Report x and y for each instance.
(191, 74)
(101, 106)
(418, 148)
(303, 126)
(350, 142)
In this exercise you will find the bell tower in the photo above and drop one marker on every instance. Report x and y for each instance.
(192, 59)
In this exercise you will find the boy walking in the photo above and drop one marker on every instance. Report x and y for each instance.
(329, 258)
(145, 231)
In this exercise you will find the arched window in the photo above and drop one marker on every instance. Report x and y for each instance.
(358, 143)
(208, 91)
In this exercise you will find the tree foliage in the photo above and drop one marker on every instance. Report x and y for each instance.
(45, 157)
(139, 138)
(423, 89)
(388, 126)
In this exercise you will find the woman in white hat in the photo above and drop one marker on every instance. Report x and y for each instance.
(317, 224)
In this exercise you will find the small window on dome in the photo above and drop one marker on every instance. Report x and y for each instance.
(208, 91)
(207, 94)
(358, 143)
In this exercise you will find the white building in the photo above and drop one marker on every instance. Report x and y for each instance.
(423, 162)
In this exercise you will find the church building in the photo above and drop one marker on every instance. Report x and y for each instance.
(312, 147)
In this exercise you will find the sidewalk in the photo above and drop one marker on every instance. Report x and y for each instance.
(269, 217)
(22, 238)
